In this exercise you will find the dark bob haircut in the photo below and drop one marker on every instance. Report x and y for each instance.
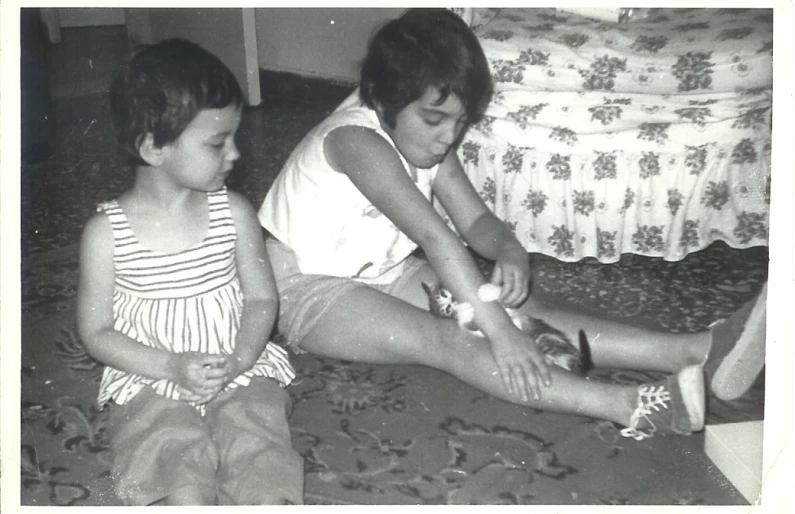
(161, 88)
(425, 48)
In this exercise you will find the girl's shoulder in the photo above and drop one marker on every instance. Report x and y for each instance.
(350, 118)
(97, 230)
(109, 214)
(107, 211)
(239, 206)
(355, 136)
(237, 202)
(354, 142)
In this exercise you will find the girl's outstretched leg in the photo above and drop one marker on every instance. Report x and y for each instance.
(368, 326)
(619, 345)
(732, 351)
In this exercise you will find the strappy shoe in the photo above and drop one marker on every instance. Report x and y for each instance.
(674, 405)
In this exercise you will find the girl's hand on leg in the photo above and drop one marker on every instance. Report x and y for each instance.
(522, 365)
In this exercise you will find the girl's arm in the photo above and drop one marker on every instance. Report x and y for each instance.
(484, 232)
(375, 169)
(111, 347)
(260, 299)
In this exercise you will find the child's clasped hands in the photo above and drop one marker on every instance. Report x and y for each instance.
(202, 376)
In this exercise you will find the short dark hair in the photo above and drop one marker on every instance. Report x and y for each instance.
(162, 87)
(420, 49)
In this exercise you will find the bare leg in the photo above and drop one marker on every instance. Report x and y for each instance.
(732, 352)
(623, 346)
(369, 326)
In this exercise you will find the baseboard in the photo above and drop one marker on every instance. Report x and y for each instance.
(313, 90)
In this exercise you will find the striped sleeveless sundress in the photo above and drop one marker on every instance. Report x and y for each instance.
(185, 301)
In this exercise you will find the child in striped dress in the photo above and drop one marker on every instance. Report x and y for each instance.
(177, 299)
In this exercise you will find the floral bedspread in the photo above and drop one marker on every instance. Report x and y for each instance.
(651, 137)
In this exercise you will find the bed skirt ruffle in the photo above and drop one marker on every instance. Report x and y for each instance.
(599, 172)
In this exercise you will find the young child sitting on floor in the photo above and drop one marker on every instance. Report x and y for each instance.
(177, 298)
(353, 202)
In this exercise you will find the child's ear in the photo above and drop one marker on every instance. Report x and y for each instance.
(149, 151)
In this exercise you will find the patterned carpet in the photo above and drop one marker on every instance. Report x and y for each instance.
(371, 434)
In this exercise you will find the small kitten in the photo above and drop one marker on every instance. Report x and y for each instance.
(556, 346)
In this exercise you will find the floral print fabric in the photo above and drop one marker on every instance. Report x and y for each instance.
(650, 137)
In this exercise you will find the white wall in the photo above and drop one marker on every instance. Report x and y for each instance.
(319, 42)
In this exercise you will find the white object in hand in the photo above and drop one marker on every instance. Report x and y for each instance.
(489, 293)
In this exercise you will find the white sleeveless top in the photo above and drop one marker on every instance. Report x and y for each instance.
(321, 215)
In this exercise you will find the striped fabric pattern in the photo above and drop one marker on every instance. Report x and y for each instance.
(185, 301)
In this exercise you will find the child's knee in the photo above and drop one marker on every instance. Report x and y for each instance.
(152, 462)
(253, 421)
(273, 477)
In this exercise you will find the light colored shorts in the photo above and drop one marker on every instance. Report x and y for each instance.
(305, 299)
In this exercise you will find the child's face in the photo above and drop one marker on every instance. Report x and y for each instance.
(203, 155)
(424, 132)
